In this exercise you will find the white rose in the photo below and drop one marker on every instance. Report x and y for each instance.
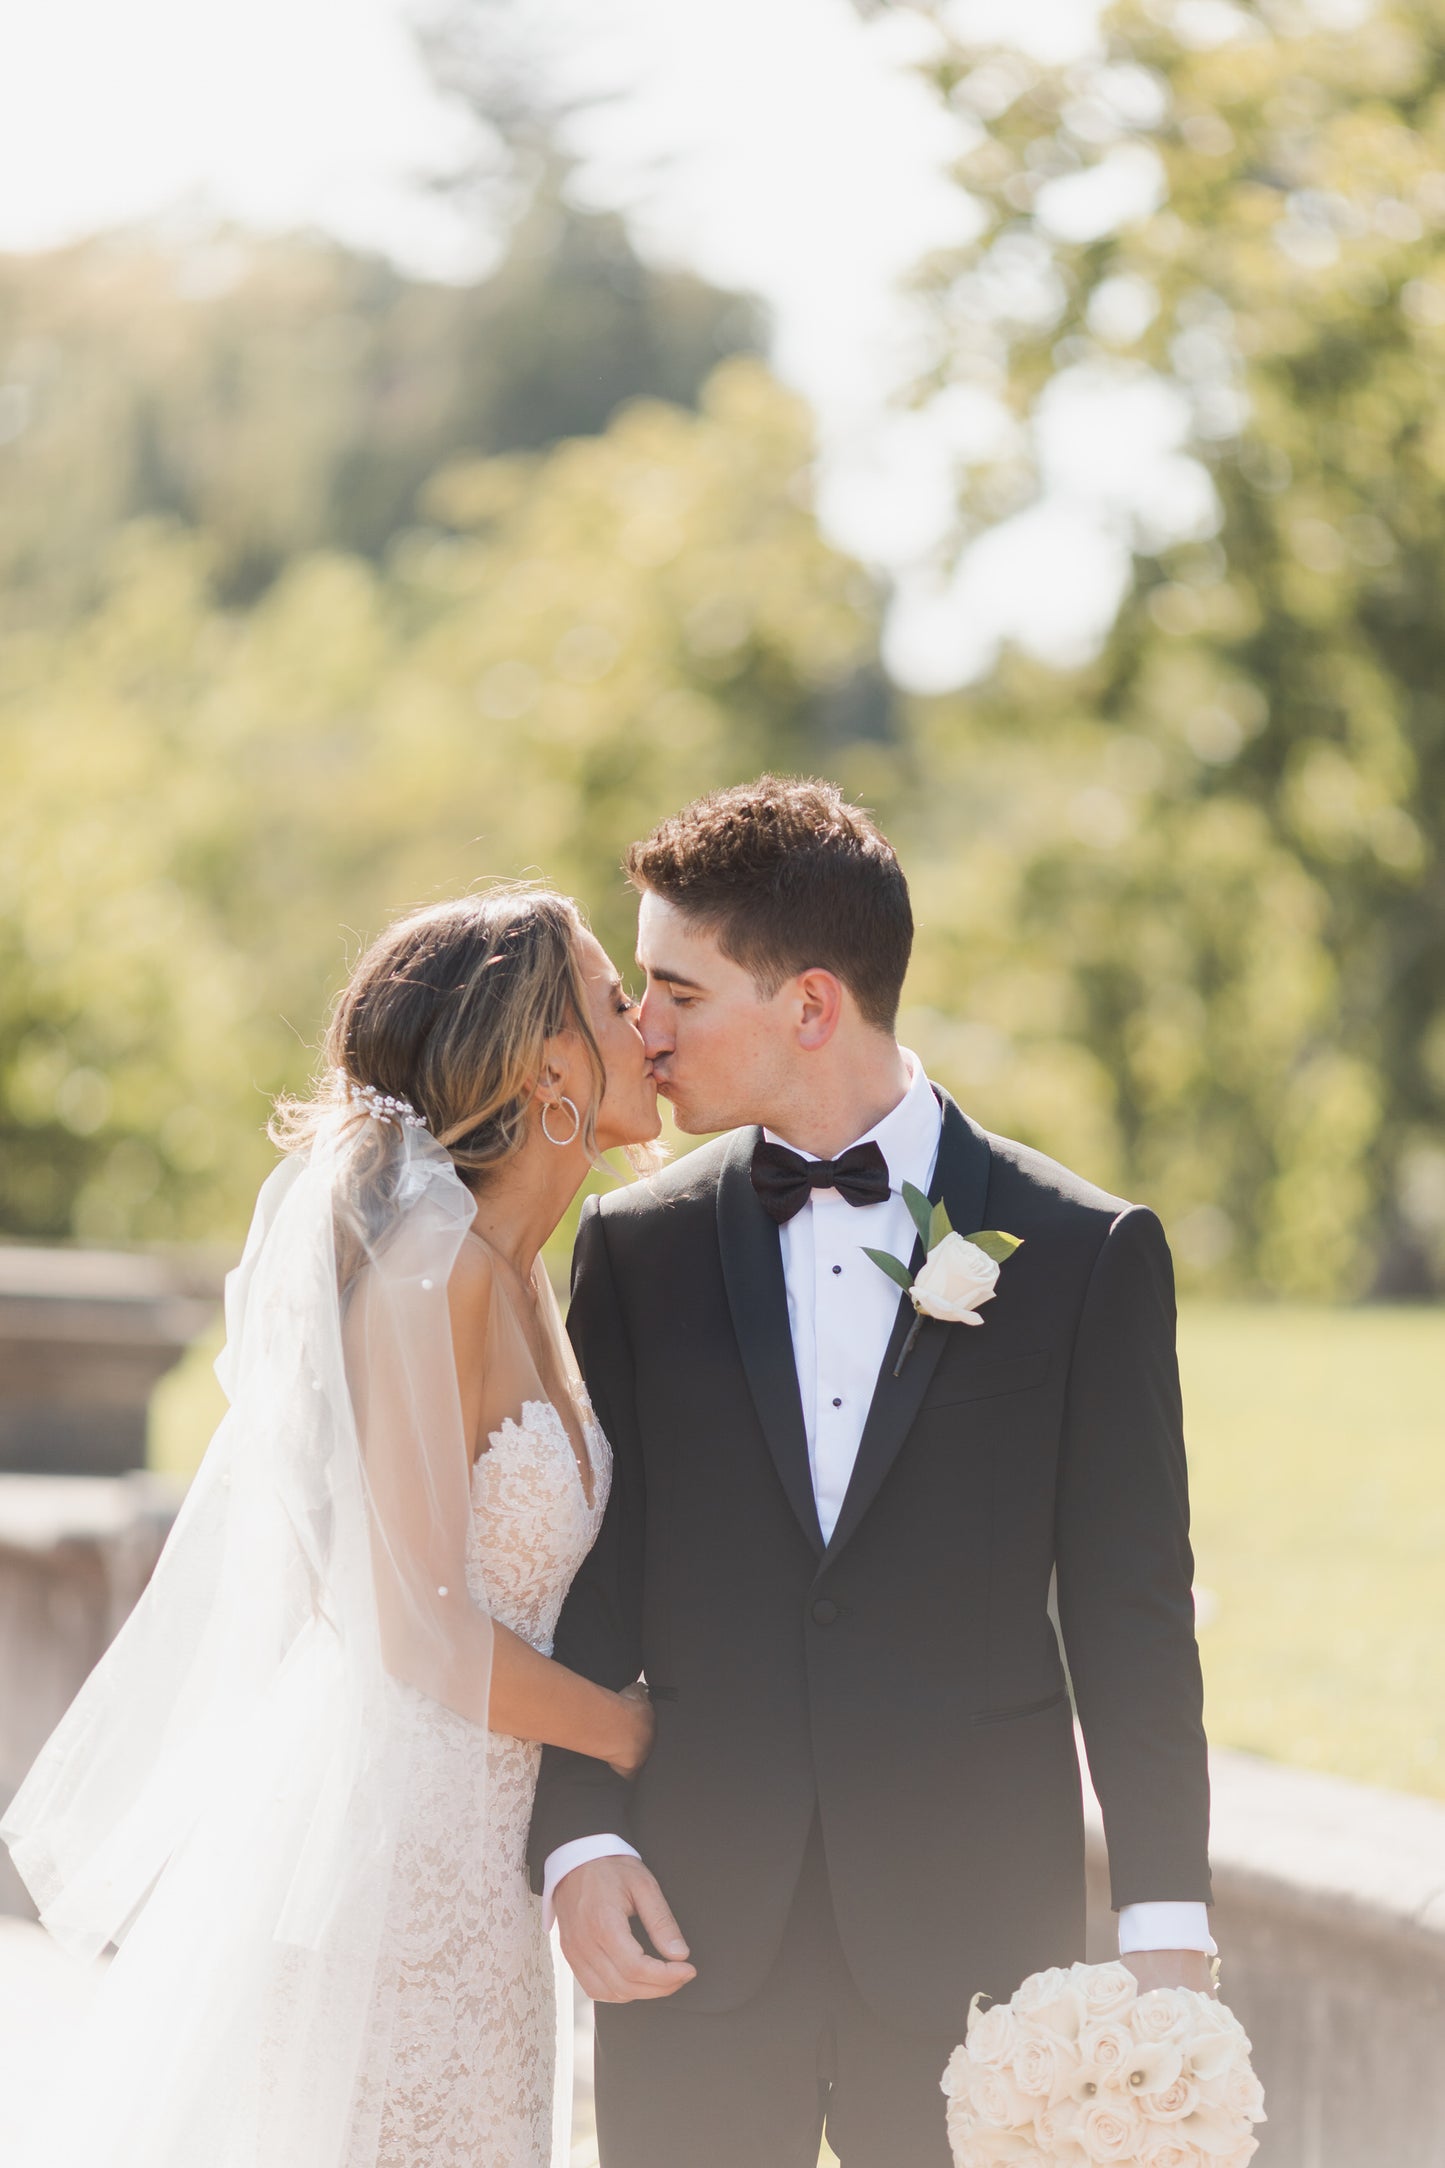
(1106, 2052)
(1165, 2149)
(997, 2102)
(1161, 2014)
(993, 2034)
(954, 1281)
(1106, 1989)
(1108, 2130)
(1039, 1990)
(1055, 2132)
(1209, 2015)
(1216, 2136)
(996, 2149)
(1037, 2063)
(961, 2124)
(1048, 2006)
(1172, 2102)
(1063, 2016)
(1244, 2095)
(957, 2079)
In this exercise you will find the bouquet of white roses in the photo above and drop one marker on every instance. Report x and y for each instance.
(1081, 2068)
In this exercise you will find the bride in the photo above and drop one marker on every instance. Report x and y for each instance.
(296, 1791)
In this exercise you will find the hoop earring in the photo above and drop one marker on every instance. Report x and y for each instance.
(571, 1106)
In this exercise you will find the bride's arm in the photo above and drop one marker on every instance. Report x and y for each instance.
(531, 1696)
(535, 1698)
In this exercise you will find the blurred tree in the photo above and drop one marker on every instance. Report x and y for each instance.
(1225, 901)
(289, 395)
(199, 798)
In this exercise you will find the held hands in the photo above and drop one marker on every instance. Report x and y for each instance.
(637, 1729)
(1173, 1968)
(595, 1906)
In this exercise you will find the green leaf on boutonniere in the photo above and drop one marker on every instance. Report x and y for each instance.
(886, 1262)
(920, 1211)
(939, 1225)
(998, 1246)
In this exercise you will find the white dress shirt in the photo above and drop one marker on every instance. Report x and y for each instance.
(841, 1308)
(841, 1312)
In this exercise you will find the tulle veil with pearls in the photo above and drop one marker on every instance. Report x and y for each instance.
(223, 1802)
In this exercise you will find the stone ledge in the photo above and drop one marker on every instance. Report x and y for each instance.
(40, 1513)
(84, 1337)
(32, 1271)
(1330, 1918)
(1353, 1859)
(72, 1295)
(75, 1553)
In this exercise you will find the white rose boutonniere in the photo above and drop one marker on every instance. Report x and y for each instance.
(955, 1281)
(958, 1275)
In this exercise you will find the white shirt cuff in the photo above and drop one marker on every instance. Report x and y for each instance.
(577, 1854)
(1165, 1925)
(1159, 1925)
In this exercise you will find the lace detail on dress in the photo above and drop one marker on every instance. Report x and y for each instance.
(464, 2035)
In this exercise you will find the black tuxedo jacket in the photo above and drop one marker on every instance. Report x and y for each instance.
(904, 1680)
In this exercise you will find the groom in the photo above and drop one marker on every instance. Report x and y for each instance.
(863, 1805)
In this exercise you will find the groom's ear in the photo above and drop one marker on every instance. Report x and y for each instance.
(819, 997)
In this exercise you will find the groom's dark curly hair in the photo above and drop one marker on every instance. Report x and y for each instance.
(789, 877)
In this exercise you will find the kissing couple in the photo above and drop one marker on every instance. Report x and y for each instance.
(718, 1623)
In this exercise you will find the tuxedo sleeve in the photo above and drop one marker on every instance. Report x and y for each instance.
(599, 1633)
(1125, 1573)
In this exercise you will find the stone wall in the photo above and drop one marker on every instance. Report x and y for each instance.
(75, 1553)
(84, 1337)
(1330, 1920)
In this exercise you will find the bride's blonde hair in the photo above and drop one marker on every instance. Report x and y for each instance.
(451, 1011)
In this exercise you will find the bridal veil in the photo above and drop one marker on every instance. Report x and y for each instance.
(225, 1799)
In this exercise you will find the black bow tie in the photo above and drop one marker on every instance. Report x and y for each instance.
(784, 1180)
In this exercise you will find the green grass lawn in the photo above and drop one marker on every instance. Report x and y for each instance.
(1317, 1449)
(1317, 1444)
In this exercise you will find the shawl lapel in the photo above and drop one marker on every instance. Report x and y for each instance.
(752, 1263)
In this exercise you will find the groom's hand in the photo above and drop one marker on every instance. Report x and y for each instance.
(1172, 1968)
(595, 1906)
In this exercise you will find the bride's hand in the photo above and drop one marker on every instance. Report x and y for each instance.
(638, 1726)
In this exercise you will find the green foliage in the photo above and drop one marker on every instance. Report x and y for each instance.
(896, 1270)
(308, 615)
(285, 396)
(920, 1211)
(1200, 901)
(200, 798)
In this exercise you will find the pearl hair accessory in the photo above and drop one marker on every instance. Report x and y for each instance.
(382, 1106)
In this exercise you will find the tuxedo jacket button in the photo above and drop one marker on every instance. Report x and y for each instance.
(824, 1611)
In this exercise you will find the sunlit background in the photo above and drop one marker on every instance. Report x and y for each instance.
(434, 442)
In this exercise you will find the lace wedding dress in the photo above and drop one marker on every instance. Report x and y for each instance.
(278, 1795)
(465, 2079)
